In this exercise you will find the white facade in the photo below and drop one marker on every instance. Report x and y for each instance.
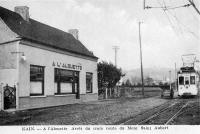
(15, 70)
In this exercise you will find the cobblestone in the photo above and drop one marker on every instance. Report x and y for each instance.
(93, 113)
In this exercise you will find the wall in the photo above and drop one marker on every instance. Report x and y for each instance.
(48, 101)
(46, 58)
(8, 64)
(6, 34)
(14, 70)
(8, 61)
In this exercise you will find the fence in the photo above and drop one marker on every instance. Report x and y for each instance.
(8, 98)
(1, 97)
(129, 91)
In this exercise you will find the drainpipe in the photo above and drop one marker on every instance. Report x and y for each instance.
(17, 82)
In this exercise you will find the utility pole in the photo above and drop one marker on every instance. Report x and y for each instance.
(170, 85)
(141, 60)
(194, 6)
(175, 77)
(115, 49)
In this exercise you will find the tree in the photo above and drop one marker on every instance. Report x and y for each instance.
(128, 83)
(149, 81)
(108, 74)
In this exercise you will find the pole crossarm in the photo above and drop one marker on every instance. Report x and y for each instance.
(115, 48)
(191, 3)
(168, 7)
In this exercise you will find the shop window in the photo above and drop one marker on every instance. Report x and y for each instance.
(181, 80)
(36, 80)
(66, 81)
(192, 79)
(89, 82)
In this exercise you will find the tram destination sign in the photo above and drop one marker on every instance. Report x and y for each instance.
(67, 66)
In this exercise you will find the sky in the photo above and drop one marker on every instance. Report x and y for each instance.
(102, 24)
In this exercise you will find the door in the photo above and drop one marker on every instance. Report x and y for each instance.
(9, 97)
(76, 84)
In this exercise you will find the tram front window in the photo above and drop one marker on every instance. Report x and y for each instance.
(192, 79)
(186, 80)
(181, 80)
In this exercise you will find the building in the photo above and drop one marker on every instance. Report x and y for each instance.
(41, 66)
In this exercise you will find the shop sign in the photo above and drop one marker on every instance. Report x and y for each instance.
(67, 66)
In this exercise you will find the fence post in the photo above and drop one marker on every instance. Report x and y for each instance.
(16, 86)
(106, 92)
(1, 96)
(110, 89)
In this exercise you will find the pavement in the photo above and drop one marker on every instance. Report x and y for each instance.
(104, 112)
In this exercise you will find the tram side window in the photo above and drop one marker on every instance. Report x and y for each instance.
(181, 80)
(192, 79)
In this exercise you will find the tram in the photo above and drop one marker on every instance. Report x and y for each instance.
(188, 81)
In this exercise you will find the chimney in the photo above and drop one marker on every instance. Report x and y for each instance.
(23, 11)
(74, 32)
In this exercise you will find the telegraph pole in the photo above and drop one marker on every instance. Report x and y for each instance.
(194, 6)
(170, 80)
(115, 49)
(175, 78)
(141, 60)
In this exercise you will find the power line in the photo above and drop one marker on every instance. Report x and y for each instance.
(178, 22)
(166, 7)
(170, 8)
(170, 22)
(195, 17)
(194, 6)
(185, 28)
(191, 3)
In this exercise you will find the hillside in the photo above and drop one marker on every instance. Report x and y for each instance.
(160, 74)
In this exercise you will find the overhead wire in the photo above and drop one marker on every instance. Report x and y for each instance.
(185, 28)
(168, 7)
(169, 20)
(179, 23)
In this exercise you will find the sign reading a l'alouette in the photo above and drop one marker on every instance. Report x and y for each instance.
(67, 66)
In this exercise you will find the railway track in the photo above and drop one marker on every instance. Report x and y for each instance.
(160, 116)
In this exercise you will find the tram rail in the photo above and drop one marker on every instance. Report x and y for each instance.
(163, 116)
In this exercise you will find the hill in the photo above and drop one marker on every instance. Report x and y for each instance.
(158, 74)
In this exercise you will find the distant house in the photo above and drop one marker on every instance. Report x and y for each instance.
(46, 66)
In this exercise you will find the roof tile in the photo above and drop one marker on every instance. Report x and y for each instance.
(42, 33)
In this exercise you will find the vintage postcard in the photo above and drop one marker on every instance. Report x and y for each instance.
(99, 66)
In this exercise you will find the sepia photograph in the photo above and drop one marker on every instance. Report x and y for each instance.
(113, 66)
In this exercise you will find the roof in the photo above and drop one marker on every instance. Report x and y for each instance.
(187, 70)
(43, 34)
